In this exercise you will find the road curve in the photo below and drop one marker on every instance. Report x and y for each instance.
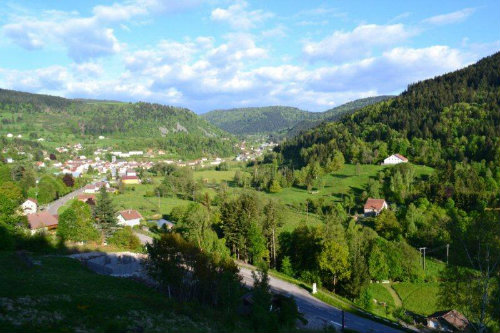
(54, 206)
(318, 313)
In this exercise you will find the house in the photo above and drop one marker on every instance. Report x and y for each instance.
(42, 221)
(130, 172)
(94, 188)
(30, 206)
(373, 207)
(87, 198)
(129, 217)
(395, 159)
(448, 321)
(129, 180)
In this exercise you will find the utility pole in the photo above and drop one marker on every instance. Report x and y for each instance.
(447, 252)
(423, 262)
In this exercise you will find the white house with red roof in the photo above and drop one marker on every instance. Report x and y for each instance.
(129, 217)
(30, 206)
(395, 159)
(373, 207)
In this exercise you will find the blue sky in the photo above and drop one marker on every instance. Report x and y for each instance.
(214, 54)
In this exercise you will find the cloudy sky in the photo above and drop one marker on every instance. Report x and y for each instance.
(219, 54)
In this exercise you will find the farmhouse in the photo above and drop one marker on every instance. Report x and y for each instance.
(94, 188)
(30, 206)
(373, 207)
(129, 217)
(130, 180)
(42, 221)
(448, 321)
(395, 159)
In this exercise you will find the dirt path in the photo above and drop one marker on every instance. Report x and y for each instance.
(394, 294)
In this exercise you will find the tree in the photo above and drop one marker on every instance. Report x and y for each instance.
(104, 212)
(274, 186)
(261, 315)
(12, 191)
(125, 239)
(472, 289)
(333, 261)
(336, 163)
(76, 223)
(273, 219)
(377, 264)
(68, 180)
(286, 266)
(387, 225)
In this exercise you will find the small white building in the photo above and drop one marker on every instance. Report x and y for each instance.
(30, 206)
(395, 159)
(129, 218)
(373, 207)
(10, 135)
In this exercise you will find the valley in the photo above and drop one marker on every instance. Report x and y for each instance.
(383, 211)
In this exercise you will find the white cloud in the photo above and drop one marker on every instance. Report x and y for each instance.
(238, 17)
(85, 37)
(355, 44)
(454, 17)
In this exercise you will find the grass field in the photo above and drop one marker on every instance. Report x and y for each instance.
(421, 298)
(60, 295)
(340, 182)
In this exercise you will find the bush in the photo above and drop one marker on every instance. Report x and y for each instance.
(286, 266)
(125, 239)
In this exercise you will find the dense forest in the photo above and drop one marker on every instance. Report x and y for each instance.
(279, 121)
(153, 125)
(454, 117)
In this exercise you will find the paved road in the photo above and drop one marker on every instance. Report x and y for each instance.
(53, 207)
(144, 238)
(318, 313)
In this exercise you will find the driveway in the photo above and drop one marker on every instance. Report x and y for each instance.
(318, 313)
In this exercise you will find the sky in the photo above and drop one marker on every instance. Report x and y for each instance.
(215, 54)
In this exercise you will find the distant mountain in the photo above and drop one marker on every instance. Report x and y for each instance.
(279, 120)
(258, 120)
(130, 125)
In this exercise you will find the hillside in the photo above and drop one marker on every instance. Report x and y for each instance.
(258, 120)
(451, 117)
(334, 113)
(129, 125)
(279, 121)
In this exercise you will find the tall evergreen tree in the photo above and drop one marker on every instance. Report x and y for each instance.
(104, 213)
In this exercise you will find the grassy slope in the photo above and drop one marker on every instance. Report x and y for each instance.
(421, 298)
(340, 182)
(62, 295)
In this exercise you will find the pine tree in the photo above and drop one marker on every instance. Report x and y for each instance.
(104, 212)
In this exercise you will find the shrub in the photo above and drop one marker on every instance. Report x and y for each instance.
(125, 239)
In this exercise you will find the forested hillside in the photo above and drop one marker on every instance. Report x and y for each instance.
(279, 121)
(334, 114)
(151, 125)
(454, 117)
(259, 120)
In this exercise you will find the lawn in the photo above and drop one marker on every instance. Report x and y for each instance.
(60, 295)
(421, 298)
(134, 198)
(336, 184)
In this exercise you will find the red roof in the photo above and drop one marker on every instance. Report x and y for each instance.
(130, 214)
(130, 177)
(401, 157)
(375, 204)
(41, 220)
(33, 200)
(452, 317)
(85, 197)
